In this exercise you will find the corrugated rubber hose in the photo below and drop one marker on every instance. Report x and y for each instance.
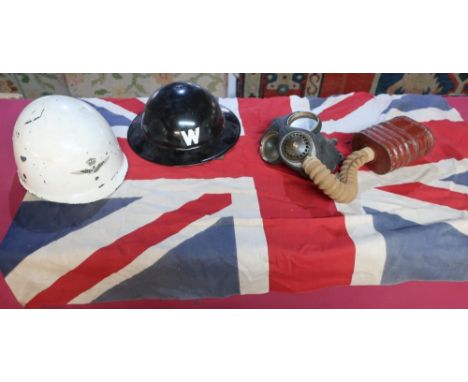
(344, 187)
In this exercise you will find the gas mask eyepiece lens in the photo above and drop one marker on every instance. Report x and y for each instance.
(304, 120)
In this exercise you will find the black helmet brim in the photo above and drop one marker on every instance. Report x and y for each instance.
(171, 157)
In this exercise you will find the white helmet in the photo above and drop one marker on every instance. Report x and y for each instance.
(65, 151)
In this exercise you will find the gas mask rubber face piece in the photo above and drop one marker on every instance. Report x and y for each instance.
(291, 138)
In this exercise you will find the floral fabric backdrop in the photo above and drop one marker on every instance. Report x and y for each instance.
(124, 85)
(324, 85)
(118, 85)
(8, 84)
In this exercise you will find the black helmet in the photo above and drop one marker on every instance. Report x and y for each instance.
(183, 124)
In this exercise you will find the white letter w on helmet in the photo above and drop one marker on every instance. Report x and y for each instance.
(191, 136)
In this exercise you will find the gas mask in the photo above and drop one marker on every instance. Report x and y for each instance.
(295, 140)
(291, 138)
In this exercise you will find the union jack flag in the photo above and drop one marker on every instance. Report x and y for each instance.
(238, 226)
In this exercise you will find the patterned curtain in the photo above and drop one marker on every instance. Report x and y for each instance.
(324, 85)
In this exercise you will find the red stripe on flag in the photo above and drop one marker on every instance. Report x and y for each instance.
(345, 107)
(121, 252)
(430, 194)
(451, 141)
(308, 245)
(262, 111)
(131, 104)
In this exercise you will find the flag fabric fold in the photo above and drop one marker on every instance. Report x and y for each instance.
(236, 225)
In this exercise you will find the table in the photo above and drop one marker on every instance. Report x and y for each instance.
(280, 243)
